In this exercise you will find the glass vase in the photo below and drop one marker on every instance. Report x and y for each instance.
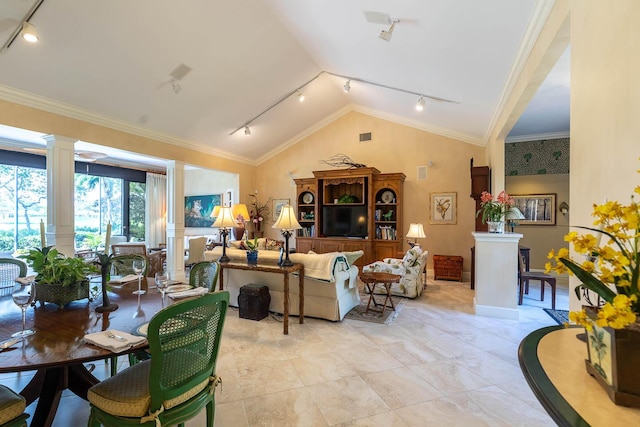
(496, 226)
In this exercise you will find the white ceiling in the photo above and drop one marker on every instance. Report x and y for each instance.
(111, 61)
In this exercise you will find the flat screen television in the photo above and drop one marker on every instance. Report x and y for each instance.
(344, 221)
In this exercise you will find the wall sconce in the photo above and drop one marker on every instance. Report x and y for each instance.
(564, 208)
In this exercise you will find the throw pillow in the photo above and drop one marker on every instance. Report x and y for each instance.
(411, 257)
(274, 245)
(352, 257)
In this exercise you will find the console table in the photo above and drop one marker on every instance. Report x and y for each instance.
(552, 361)
(273, 268)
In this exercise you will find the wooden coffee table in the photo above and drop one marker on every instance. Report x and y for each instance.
(387, 279)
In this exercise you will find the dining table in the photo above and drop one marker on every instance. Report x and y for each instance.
(57, 351)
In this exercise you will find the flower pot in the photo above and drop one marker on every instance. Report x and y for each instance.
(61, 295)
(252, 257)
(613, 358)
(496, 226)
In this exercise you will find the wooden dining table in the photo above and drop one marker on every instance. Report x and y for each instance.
(57, 351)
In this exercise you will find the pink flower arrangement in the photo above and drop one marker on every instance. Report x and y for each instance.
(258, 211)
(494, 210)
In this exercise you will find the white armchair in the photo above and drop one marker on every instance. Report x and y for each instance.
(410, 268)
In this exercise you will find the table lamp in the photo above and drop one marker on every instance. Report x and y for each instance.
(287, 222)
(225, 221)
(241, 214)
(417, 232)
(512, 216)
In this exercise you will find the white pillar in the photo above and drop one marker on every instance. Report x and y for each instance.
(60, 193)
(175, 219)
(496, 275)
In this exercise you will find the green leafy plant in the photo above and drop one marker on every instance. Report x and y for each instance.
(252, 245)
(52, 267)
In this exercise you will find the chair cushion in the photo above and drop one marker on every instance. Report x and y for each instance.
(127, 393)
(411, 257)
(12, 405)
(353, 256)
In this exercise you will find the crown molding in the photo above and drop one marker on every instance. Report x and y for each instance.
(49, 105)
(538, 136)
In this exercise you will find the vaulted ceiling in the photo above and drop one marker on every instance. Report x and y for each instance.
(195, 71)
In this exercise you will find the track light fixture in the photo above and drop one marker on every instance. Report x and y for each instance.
(29, 33)
(386, 34)
(247, 131)
(347, 85)
(24, 29)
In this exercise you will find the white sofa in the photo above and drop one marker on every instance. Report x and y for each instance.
(411, 268)
(330, 283)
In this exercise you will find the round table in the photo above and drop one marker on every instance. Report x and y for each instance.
(387, 279)
(57, 352)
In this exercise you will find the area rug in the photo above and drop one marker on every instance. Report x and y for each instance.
(560, 316)
(389, 316)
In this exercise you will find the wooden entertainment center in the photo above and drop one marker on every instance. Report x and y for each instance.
(350, 210)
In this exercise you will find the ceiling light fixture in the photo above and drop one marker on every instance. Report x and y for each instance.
(247, 131)
(349, 79)
(420, 104)
(175, 86)
(29, 33)
(300, 96)
(25, 28)
(347, 86)
(386, 34)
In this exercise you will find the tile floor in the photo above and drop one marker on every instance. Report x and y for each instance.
(437, 364)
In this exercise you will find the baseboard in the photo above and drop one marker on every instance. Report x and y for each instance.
(499, 312)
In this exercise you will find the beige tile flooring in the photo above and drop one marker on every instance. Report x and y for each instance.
(437, 364)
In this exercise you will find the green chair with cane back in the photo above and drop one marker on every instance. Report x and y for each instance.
(12, 407)
(180, 378)
(122, 265)
(10, 270)
(205, 274)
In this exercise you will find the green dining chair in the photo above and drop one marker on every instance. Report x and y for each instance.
(122, 265)
(180, 378)
(12, 407)
(205, 274)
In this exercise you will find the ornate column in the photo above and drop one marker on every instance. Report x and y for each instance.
(496, 275)
(60, 230)
(175, 219)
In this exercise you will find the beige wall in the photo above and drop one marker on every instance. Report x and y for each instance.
(394, 148)
(541, 238)
(605, 130)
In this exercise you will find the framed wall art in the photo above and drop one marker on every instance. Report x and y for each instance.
(538, 209)
(277, 207)
(198, 209)
(443, 208)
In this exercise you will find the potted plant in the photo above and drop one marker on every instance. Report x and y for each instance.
(59, 279)
(252, 251)
(611, 272)
(494, 211)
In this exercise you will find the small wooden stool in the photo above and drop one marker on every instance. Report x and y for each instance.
(370, 279)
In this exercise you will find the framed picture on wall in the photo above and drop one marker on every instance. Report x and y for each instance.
(443, 208)
(538, 209)
(198, 209)
(277, 207)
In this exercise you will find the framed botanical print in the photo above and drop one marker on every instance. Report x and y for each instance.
(443, 208)
(277, 207)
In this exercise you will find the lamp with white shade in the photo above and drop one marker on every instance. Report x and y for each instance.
(224, 221)
(512, 216)
(416, 231)
(287, 222)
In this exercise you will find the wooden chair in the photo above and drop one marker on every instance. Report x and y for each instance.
(179, 379)
(10, 269)
(129, 248)
(204, 274)
(12, 407)
(525, 276)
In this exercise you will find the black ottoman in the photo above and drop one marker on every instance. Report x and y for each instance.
(253, 301)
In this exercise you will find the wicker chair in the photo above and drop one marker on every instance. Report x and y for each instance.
(12, 407)
(179, 379)
(122, 265)
(10, 269)
(205, 274)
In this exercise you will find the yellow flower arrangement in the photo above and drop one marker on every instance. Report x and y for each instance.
(614, 265)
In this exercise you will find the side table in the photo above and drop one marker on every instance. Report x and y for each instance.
(370, 279)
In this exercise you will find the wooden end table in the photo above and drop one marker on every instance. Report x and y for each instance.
(387, 279)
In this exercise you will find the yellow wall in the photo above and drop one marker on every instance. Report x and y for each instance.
(394, 148)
